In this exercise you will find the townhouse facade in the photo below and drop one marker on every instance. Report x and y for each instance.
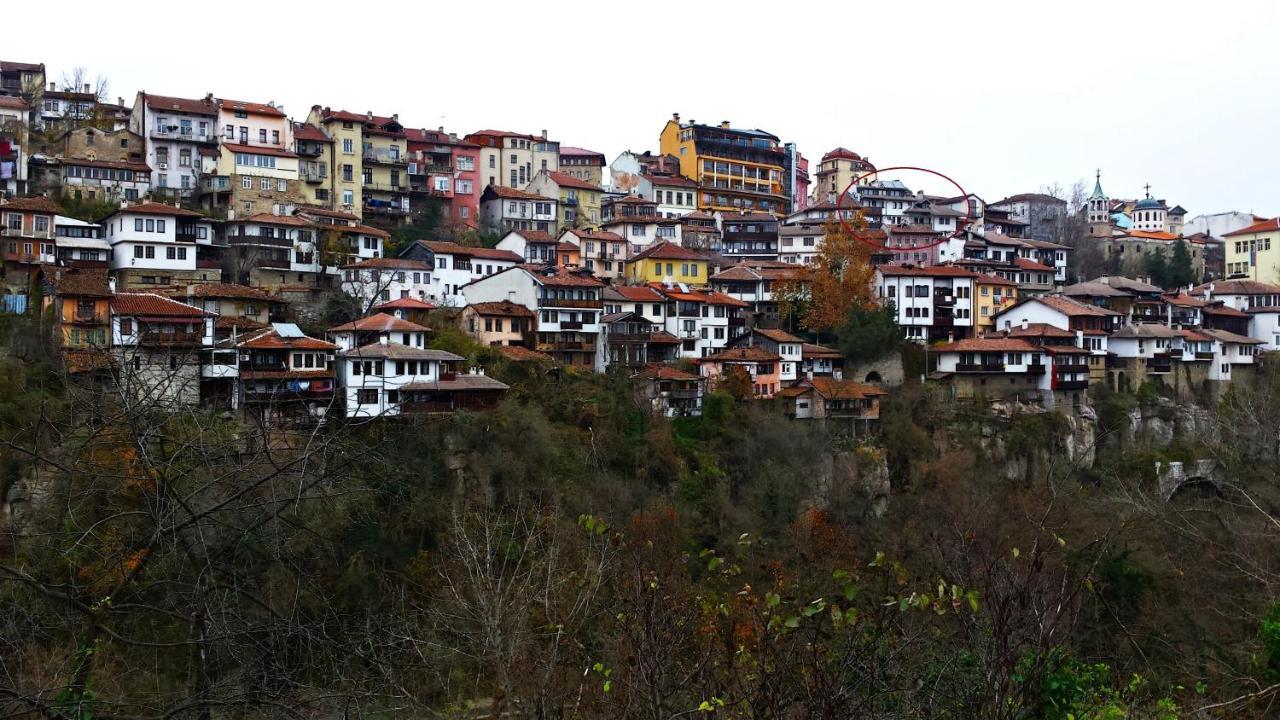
(737, 170)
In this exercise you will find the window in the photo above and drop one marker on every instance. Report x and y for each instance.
(275, 137)
(151, 225)
(367, 397)
(246, 182)
(262, 135)
(230, 132)
(184, 158)
(282, 185)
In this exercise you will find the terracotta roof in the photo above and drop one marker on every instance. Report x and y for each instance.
(1237, 287)
(269, 339)
(259, 150)
(31, 204)
(841, 153)
(562, 277)
(664, 372)
(365, 230)
(987, 344)
(517, 353)
(1184, 300)
(570, 151)
(344, 115)
(630, 200)
(135, 304)
(1069, 307)
(1041, 330)
(1144, 330)
(85, 162)
(750, 217)
(1093, 289)
(78, 282)
(1258, 227)
(567, 180)
(504, 308)
(307, 131)
(325, 212)
(662, 337)
(811, 350)
(253, 107)
(155, 208)
(597, 235)
(1150, 235)
(391, 263)
(177, 104)
(459, 383)
(933, 271)
(270, 219)
(985, 279)
(776, 335)
(13, 103)
(379, 322)
(566, 247)
(448, 248)
(227, 290)
(745, 354)
(737, 272)
(14, 66)
(507, 193)
(1026, 264)
(398, 351)
(534, 236)
(711, 297)
(1194, 335)
(834, 389)
(632, 293)
(405, 303)
(1224, 311)
(240, 324)
(1230, 337)
(667, 251)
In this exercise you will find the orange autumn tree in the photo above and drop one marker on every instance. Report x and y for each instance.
(839, 280)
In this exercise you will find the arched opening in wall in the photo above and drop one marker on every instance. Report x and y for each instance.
(1075, 400)
(1111, 381)
(1123, 382)
(873, 377)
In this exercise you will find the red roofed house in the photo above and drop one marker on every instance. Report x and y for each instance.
(27, 228)
(499, 324)
(1253, 252)
(511, 159)
(1011, 367)
(377, 328)
(257, 168)
(444, 167)
(603, 253)
(579, 200)
(630, 339)
(504, 209)
(568, 304)
(532, 245)
(830, 398)
(379, 280)
(387, 378)
(278, 374)
(759, 364)
(240, 309)
(157, 343)
(671, 392)
(153, 244)
(181, 139)
(932, 303)
(582, 164)
(788, 347)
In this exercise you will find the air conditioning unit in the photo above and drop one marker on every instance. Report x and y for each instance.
(163, 166)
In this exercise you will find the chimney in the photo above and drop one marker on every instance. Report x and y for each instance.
(208, 98)
(53, 87)
(439, 129)
(382, 338)
(111, 285)
(368, 115)
(544, 134)
(395, 117)
(271, 103)
(1025, 324)
(724, 124)
(86, 88)
(675, 117)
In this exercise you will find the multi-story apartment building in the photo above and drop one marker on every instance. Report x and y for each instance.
(157, 344)
(257, 169)
(14, 139)
(1253, 251)
(839, 169)
(80, 243)
(668, 263)
(737, 170)
(753, 236)
(453, 266)
(504, 209)
(180, 136)
(578, 199)
(513, 159)
(22, 80)
(156, 244)
(583, 164)
(28, 234)
(345, 163)
(674, 195)
(603, 253)
(445, 167)
(930, 303)
(385, 178)
(266, 250)
(68, 108)
(1041, 214)
(315, 153)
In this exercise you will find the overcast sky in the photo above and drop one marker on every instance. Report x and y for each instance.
(1005, 97)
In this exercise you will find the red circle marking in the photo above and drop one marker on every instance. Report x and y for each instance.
(876, 171)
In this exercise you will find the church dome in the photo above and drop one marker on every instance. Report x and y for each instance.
(1147, 203)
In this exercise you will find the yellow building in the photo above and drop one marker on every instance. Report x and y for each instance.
(1254, 252)
(667, 263)
(993, 295)
(839, 169)
(579, 199)
(368, 166)
(315, 153)
(736, 169)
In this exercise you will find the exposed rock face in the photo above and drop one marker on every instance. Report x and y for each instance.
(856, 481)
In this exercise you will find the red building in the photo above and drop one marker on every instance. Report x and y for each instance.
(442, 166)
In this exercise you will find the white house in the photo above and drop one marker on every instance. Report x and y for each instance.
(182, 138)
(930, 303)
(379, 280)
(642, 231)
(603, 253)
(568, 304)
(453, 266)
(154, 240)
(504, 208)
(379, 327)
(532, 245)
(375, 378)
(1260, 300)
(1230, 350)
(80, 241)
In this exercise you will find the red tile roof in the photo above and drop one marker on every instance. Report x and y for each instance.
(834, 389)
(634, 293)
(570, 151)
(137, 304)
(810, 350)
(269, 339)
(78, 282)
(39, 204)
(665, 372)
(841, 153)
(671, 180)
(1069, 307)
(379, 322)
(567, 180)
(746, 354)
(14, 103)
(259, 150)
(227, 290)
(507, 193)
(155, 208)
(987, 344)
(448, 248)
(1258, 227)
(597, 235)
(711, 297)
(504, 308)
(1037, 330)
(667, 251)
(390, 263)
(307, 131)
(777, 335)
(933, 271)
(1027, 264)
(270, 219)
(365, 230)
(1237, 287)
(534, 236)
(251, 107)
(517, 353)
(404, 303)
(1150, 235)
(562, 277)
(177, 104)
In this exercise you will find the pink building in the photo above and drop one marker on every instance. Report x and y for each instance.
(445, 167)
(800, 193)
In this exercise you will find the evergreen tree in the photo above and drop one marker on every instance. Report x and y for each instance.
(868, 333)
(1180, 271)
(1155, 268)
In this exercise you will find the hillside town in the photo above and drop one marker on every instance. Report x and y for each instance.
(188, 248)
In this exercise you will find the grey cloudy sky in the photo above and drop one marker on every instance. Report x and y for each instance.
(1004, 96)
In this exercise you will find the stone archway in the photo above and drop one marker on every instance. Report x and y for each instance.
(873, 377)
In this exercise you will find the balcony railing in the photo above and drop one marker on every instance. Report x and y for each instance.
(566, 303)
(374, 157)
(1035, 369)
(571, 325)
(187, 135)
(1071, 385)
(980, 367)
(314, 176)
(1069, 368)
(89, 318)
(385, 187)
(1202, 355)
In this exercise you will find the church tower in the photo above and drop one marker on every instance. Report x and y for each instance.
(1098, 208)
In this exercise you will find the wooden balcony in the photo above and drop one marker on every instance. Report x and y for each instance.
(979, 367)
(566, 303)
